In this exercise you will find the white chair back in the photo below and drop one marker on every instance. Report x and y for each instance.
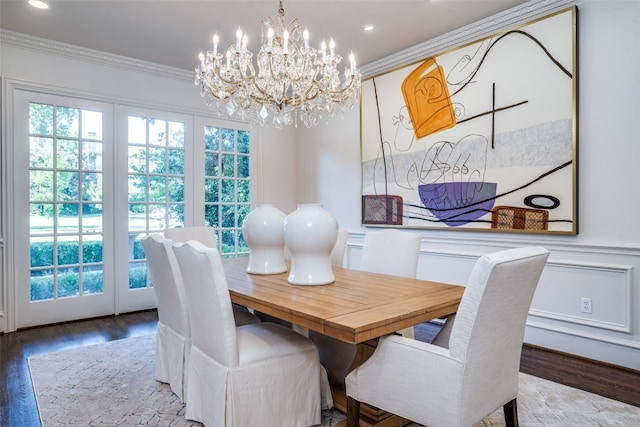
(337, 254)
(213, 329)
(164, 271)
(488, 330)
(392, 252)
(205, 235)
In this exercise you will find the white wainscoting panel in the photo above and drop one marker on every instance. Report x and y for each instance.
(563, 285)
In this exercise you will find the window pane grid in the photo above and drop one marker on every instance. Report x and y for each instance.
(226, 186)
(155, 186)
(65, 202)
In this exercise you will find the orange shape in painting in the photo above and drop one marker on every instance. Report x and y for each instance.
(427, 98)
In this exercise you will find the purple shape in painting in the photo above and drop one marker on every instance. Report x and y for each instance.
(458, 203)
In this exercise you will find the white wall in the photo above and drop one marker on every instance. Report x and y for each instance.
(276, 179)
(41, 65)
(603, 260)
(329, 167)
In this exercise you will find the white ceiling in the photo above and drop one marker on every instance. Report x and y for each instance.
(173, 32)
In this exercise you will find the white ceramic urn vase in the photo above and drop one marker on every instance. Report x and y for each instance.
(310, 232)
(263, 230)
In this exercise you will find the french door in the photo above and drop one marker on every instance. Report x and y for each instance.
(91, 179)
(154, 193)
(63, 208)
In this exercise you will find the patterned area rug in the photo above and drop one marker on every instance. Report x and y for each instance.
(112, 384)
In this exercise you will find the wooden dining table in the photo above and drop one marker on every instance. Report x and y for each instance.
(357, 308)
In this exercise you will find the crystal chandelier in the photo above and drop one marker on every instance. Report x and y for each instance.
(294, 82)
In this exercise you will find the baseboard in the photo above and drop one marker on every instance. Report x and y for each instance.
(603, 378)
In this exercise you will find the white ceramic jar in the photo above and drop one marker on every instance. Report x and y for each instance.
(310, 232)
(263, 230)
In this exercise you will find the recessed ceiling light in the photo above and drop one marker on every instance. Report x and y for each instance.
(368, 27)
(39, 4)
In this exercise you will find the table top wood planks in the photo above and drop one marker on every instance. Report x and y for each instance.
(357, 307)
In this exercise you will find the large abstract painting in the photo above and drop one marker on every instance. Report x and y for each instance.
(482, 137)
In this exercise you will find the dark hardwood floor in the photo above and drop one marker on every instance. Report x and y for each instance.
(18, 405)
(17, 401)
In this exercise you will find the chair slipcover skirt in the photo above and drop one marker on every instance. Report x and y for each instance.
(173, 332)
(172, 356)
(274, 375)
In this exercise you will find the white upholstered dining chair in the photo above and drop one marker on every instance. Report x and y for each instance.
(261, 374)
(173, 335)
(207, 236)
(478, 372)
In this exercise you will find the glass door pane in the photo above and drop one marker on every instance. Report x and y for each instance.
(62, 262)
(156, 181)
(65, 202)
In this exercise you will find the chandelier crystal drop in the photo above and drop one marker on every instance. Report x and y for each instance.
(294, 82)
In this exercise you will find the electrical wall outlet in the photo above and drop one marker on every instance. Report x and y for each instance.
(586, 305)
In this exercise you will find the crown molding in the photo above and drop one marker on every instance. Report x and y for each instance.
(483, 28)
(89, 55)
(514, 16)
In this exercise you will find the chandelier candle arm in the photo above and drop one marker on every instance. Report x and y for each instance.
(294, 81)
